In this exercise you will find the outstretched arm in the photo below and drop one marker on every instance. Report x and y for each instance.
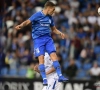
(56, 31)
(48, 72)
(23, 24)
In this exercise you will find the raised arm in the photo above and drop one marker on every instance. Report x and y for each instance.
(23, 24)
(56, 31)
(48, 72)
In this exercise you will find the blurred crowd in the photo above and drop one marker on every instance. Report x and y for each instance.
(79, 52)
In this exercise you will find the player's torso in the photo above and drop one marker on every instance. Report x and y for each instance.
(41, 25)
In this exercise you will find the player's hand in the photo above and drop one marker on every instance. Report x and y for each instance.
(18, 27)
(36, 68)
(62, 35)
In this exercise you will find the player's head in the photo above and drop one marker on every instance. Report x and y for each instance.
(50, 7)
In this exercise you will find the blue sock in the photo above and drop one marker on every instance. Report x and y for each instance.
(57, 67)
(42, 71)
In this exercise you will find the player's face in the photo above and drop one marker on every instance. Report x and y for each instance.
(51, 10)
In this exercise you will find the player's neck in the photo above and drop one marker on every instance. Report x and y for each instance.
(44, 11)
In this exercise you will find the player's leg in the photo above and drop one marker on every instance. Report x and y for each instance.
(52, 52)
(56, 64)
(58, 86)
(39, 50)
(45, 88)
(42, 69)
(51, 84)
(57, 67)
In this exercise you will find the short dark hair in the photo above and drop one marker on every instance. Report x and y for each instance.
(49, 4)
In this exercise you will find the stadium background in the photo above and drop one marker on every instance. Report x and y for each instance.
(79, 53)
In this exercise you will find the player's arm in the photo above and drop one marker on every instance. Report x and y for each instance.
(56, 31)
(36, 68)
(27, 22)
(23, 24)
(50, 71)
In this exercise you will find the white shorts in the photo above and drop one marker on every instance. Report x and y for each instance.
(53, 84)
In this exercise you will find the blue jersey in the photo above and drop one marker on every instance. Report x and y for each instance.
(41, 24)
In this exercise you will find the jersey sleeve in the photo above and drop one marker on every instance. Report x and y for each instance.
(52, 22)
(33, 17)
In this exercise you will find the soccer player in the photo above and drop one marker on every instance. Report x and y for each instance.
(52, 76)
(42, 25)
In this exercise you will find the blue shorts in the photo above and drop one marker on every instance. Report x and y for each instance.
(43, 44)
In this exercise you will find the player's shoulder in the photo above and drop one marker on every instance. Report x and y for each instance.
(37, 14)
